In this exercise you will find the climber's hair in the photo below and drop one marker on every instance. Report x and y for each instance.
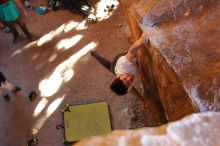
(119, 87)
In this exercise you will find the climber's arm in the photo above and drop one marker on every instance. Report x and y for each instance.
(136, 46)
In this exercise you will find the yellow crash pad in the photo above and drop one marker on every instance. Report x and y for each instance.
(86, 120)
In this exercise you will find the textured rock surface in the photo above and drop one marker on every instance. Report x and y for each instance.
(184, 57)
(191, 48)
(195, 130)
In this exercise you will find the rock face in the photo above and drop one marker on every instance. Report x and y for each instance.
(180, 68)
(183, 58)
(196, 130)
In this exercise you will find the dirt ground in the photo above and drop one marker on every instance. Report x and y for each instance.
(55, 71)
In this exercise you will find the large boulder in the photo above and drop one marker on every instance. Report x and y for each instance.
(196, 130)
(183, 57)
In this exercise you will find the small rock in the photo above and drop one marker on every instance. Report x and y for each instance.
(32, 95)
(120, 25)
(33, 142)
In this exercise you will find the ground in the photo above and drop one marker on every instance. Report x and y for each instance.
(61, 74)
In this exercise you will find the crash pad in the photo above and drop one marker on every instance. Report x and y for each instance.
(86, 120)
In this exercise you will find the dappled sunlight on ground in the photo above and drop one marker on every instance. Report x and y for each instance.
(82, 25)
(50, 110)
(64, 28)
(68, 43)
(54, 105)
(105, 8)
(70, 26)
(41, 105)
(48, 87)
(52, 57)
(63, 72)
(46, 38)
(56, 66)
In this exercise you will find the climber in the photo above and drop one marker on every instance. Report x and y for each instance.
(123, 66)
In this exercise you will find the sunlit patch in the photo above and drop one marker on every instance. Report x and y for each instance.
(105, 8)
(73, 59)
(63, 72)
(48, 37)
(52, 57)
(24, 48)
(63, 28)
(30, 44)
(70, 26)
(54, 105)
(41, 105)
(81, 25)
(39, 66)
(68, 74)
(35, 56)
(60, 29)
(50, 110)
(68, 43)
(45, 38)
(49, 87)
